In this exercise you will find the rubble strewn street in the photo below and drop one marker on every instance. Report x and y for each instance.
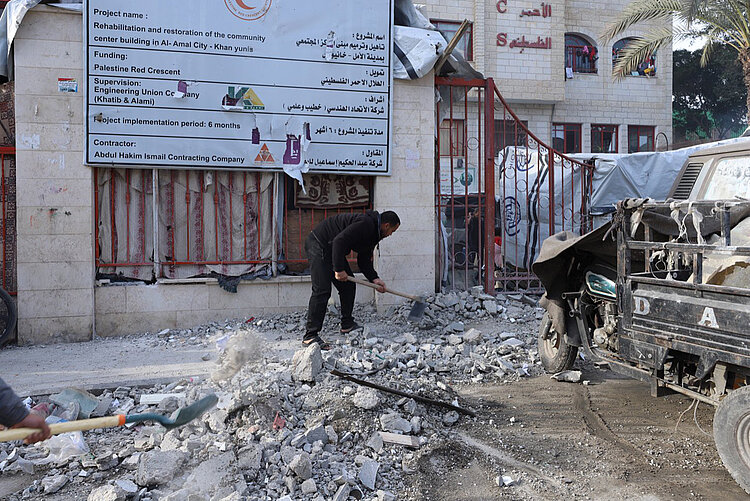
(286, 428)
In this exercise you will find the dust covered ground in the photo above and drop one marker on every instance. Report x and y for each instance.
(533, 438)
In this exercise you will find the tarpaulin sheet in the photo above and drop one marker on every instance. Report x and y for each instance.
(199, 215)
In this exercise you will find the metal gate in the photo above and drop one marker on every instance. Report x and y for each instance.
(499, 191)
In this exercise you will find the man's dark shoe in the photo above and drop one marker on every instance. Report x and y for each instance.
(317, 339)
(349, 328)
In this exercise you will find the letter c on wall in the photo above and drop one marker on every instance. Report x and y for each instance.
(502, 6)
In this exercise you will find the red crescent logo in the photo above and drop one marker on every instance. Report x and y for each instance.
(244, 5)
(240, 9)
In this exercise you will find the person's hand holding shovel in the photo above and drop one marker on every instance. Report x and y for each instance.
(34, 421)
(380, 284)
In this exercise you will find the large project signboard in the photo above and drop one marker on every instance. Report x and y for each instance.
(239, 84)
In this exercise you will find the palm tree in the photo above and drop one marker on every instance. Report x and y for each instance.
(721, 22)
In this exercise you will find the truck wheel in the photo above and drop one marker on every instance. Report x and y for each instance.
(555, 353)
(732, 435)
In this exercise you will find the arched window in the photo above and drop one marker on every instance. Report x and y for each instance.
(580, 54)
(645, 69)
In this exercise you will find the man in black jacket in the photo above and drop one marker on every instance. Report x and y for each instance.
(327, 247)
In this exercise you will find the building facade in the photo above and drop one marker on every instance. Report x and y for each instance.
(549, 63)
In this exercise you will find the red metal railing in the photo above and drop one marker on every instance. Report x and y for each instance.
(8, 200)
(581, 58)
(530, 182)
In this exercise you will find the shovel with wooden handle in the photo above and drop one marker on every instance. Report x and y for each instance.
(417, 310)
(183, 416)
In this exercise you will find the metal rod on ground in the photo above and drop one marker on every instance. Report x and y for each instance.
(394, 391)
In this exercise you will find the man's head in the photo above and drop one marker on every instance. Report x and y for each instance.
(389, 222)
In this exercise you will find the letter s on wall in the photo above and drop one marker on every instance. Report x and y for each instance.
(502, 39)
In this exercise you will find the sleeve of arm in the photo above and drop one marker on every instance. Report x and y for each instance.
(365, 265)
(12, 409)
(343, 244)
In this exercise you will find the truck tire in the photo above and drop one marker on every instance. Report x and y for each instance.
(732, 434)
(555, 353)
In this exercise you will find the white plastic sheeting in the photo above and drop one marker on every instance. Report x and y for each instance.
(416, 50)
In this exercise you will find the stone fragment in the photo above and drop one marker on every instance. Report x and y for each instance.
(127, 485)
(307, 363)
(302, 466)
(456, 327)
(568, 376)
(394, 422)
(106, 493)
(513, 342)
(368, 473)
(250, 457)
(366, 398)
(333, 437)
(50, 485)
(158, 467)
(450, 418)
(309, 487)
(102, 407)
(317, 433)
(376, 442)
(454, 340)
(472, 336)
(490, 305)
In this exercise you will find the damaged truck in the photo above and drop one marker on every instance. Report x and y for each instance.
(662, 294)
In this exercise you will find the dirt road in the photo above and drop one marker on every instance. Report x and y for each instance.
(608, 440)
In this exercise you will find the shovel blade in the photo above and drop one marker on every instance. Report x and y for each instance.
(417, 312)
(192, 411)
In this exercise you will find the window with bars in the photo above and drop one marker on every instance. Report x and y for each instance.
(202, 223)
(641, 138)
(603, 138)
(581, 55)
(646, 69)
(509, 133)
(449, 29)
(566, 137)
(453, 138)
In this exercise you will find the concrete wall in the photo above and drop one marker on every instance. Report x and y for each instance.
(57, 297)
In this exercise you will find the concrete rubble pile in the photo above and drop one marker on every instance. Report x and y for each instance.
(285, 427)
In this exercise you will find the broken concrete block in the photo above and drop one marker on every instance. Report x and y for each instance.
(107, 493)
(450, 418)
(456, 327)
(250, 457)
(302, 466)
(368, 473)
(158, 467)
(385, 496)
(394, 422)
(454, 340)
(394, 438)
(309, 487)
(490, 305)
(472, 336)
(157, 398)
(366, 398)
(376, 442)
(51, 485)
(128, 486)
(568, 376)
(317, 433)
(513, 342)
(307, 363)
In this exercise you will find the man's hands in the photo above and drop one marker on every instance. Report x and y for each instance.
(35, 421)
(341, 276)
(379, 282)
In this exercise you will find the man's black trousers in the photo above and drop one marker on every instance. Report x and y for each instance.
(321, 272)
